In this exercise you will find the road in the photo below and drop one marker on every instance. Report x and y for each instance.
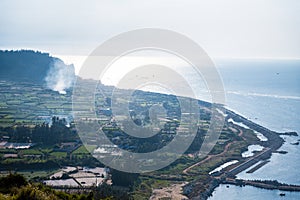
(209, 157)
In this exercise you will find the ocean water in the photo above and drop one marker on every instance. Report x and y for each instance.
(268, 93)
(265, 91)
(250, 193)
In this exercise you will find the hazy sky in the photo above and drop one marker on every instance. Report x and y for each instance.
(224, 28)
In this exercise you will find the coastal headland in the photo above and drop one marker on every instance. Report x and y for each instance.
(39, 138)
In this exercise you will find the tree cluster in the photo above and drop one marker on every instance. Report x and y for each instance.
(44, 133)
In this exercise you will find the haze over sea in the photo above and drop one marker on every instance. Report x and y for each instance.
(268, 93)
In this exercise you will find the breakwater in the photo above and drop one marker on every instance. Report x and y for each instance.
(257, 166)
(250, 162)
(270, 185)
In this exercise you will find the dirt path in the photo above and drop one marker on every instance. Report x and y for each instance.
(209, 157)
(173, 192)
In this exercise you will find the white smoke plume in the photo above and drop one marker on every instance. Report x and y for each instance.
(60, 76)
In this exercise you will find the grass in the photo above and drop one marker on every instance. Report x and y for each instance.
(13, 160)
(4, 151)
(46, 149)
(178, 166)
(31, 152)
(58, 154)
(31, 174)
(80, 150)
(84, 149)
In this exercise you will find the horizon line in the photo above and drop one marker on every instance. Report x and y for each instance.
(211, 56)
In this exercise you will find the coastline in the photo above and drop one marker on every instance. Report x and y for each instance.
(272, 145)
(274, 140)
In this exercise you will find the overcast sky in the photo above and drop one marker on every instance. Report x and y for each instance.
(224, 28)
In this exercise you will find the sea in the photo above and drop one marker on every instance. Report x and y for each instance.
(268, 93)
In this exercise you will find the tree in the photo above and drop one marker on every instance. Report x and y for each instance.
(11, 181)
